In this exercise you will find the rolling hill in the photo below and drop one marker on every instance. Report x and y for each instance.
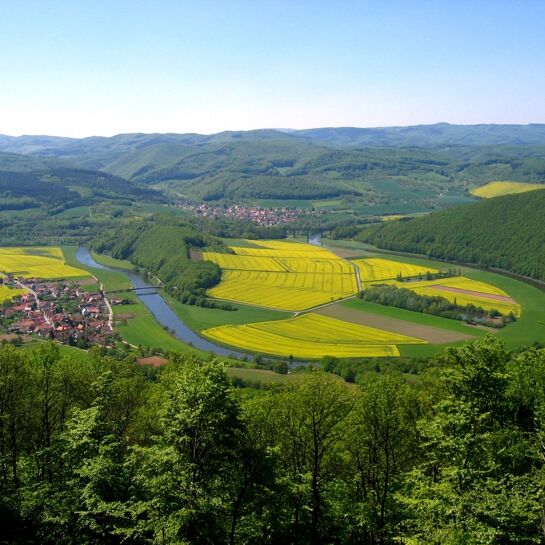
(35, 193)
(369, 171)
(504, 232)
(51, 180)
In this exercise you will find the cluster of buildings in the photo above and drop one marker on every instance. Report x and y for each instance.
(265, 217)
(58, 310)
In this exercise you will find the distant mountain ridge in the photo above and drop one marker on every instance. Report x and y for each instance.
(438, 134)
(376, 170)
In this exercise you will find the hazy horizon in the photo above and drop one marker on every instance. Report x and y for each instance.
(177, 67)
(278, 129)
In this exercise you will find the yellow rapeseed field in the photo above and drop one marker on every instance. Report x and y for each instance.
(243, 262)
(7, 294)
(283, 245)
(281, 290)
(313, 265)
(311, 336)
(283, 275)
(295, 253)
(283, 249)
(385, 269)
(37, 262)
(459, 282)
(394, 217)
(471, 291)
(497, 189)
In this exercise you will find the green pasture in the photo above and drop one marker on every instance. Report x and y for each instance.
(199, 318)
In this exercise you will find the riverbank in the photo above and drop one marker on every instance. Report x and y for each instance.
(149, 316)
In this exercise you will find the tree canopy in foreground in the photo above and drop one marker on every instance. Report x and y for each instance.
(102, 451)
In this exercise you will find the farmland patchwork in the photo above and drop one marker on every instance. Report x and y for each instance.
(311, 336)
(298, 277)
(283, 275)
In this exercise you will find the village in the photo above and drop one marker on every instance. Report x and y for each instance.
(257, 215)
(60, 310)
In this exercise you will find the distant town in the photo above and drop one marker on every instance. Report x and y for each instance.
(265, 217)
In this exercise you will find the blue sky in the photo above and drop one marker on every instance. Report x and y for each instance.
(80, 68)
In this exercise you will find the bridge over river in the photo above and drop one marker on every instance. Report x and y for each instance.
(139, 291)
(162, 311)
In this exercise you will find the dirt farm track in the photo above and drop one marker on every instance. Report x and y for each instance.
(433, 335)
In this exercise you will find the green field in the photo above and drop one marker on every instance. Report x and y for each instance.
(199, 318)
(413, 317)
(349, 245)
(528, 329)
(330, 203)
(393, 208)
(151, 208)
(76, 212)
(143, 329)
(65, 350)
(420, 350)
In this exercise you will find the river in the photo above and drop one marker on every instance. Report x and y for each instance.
(161, 310)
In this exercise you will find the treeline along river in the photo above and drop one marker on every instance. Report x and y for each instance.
(160, 309)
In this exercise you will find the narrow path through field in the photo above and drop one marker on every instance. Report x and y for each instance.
(294, 312)
(323, 305)
(357, 269)
(433, 335)
(491, 296)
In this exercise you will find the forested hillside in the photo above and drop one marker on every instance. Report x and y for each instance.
(100, 451)
(382, 170)
(279, 166)
(504, 232)
(161, 246)
(35, 192)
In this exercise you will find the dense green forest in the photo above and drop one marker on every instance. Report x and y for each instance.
(99, 451)
(35, 195)
(504, 232)
(161, 246)
(54, 182)
(228, 228)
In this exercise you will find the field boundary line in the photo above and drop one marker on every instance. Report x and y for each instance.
(294, 312)
(535, 282)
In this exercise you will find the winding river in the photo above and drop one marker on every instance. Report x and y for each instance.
(161, 310)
